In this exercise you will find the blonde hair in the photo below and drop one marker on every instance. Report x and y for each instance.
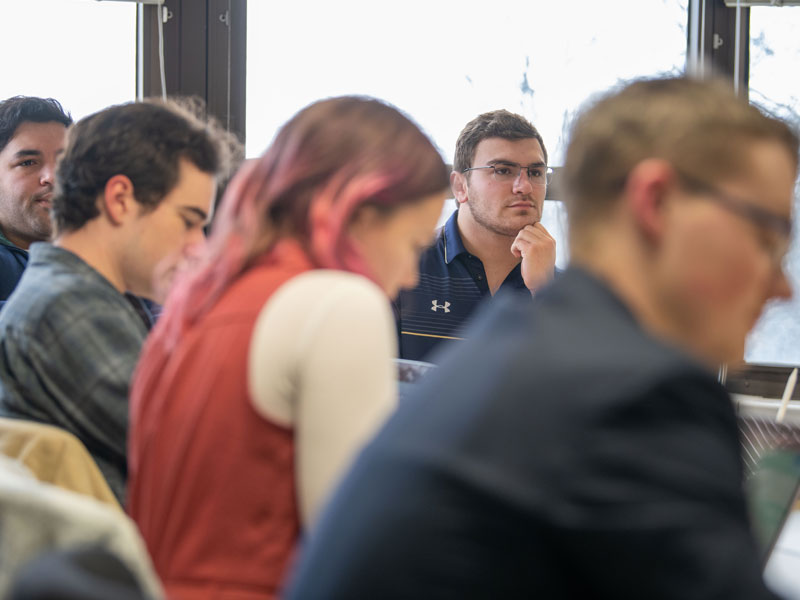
(699, 126)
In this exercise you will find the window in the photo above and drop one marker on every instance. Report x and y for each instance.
(80, 52)
(445, 62)
(774, 56)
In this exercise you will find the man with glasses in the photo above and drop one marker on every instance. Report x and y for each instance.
(494, 243)
(585, 449)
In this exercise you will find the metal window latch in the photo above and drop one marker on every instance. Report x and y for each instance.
(717, 41)
(225, 18)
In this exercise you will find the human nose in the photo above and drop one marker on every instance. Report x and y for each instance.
(522, 182)
(47, 174)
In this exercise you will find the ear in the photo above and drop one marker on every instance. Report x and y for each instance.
(647, 190)
(458, 184)
(364, 218)
(117, 200)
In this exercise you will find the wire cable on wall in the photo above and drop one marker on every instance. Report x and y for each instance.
(163, 17)
(737, 48)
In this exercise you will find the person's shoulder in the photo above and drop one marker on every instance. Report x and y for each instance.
(322, 296)
(32, 299)
(64, 291)
(578, 325)
(64, 300)
(10, 254)
(315, 307)
(327, 283)
(66, 279)
(12, 265)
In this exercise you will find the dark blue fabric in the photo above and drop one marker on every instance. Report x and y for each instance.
(561, 452)
(452, 285)
(13, 261)
(147, 309)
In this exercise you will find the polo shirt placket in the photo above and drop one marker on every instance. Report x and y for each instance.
(452, 285)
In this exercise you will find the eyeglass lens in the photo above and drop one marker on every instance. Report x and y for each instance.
(507, 172)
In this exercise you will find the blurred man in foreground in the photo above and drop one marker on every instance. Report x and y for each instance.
(584, 449)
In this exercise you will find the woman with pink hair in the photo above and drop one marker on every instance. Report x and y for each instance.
(272, 362)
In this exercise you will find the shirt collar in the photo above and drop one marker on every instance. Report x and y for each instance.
(45, 254)
(6, 242)
(453, 246)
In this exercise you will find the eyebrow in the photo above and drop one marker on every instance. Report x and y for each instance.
(27, 152)
(197, 211)
(511, 162)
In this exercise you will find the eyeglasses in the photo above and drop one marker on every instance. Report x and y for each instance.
(507, 172)
(776, 229)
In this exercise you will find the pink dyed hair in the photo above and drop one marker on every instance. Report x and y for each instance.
(331, 158)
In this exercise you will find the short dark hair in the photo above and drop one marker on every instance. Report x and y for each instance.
(495, 124)
(24, 109)
(144, 141)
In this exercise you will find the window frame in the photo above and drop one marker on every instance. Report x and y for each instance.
(205, 55)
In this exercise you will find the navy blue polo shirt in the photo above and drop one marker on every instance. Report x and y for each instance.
(452, 284)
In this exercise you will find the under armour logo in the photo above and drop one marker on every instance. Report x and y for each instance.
(445, 306)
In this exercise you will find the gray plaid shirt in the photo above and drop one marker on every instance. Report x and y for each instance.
(69, 342)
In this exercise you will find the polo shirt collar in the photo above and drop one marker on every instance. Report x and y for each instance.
(453, 246)
(6, 242)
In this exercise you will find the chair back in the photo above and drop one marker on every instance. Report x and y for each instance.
(54, 456)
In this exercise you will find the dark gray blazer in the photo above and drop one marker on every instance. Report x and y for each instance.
(561, 453)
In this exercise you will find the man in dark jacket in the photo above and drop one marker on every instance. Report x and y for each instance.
(32, 134)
